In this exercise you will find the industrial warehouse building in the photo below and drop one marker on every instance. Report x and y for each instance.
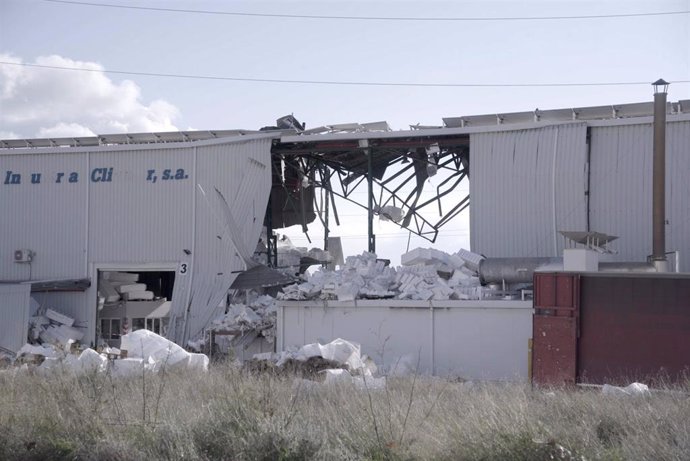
(189, 213)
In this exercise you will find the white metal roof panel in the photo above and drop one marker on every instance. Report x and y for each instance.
(618, 111)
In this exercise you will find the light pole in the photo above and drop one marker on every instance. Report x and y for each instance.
(659, 178)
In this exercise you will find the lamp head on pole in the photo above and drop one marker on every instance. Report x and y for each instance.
(660, 86)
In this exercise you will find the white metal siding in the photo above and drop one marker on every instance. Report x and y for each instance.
(134, 220)
(621, 188)
(14, 315)
(678, 191)
(525, 186)
(48, 217)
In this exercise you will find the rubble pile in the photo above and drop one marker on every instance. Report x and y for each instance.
(50, 327)
(336, 362)
(259, 316)
(141, 351)
(425, 274)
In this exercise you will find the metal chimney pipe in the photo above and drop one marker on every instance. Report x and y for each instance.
(659, 178)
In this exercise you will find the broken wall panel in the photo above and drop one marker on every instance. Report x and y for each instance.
(236, 178)
(14, 315)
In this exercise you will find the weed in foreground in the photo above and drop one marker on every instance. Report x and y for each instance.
(233, 415)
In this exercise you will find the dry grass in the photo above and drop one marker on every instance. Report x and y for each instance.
(228, 414)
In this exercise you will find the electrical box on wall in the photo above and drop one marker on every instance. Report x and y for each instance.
(23, 256)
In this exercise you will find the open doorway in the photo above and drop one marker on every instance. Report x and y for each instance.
(130, 300)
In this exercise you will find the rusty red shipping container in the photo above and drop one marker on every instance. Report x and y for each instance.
(610, 328)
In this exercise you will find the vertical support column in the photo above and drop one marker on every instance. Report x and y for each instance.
(364, 143)
(432, 351)
(326, 230)
(270, 247)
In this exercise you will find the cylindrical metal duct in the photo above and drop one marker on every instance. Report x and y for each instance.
(521, 270)
(659, 180)
(515, 270)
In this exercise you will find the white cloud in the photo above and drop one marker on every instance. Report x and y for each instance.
(63, 130)
(39, 102)
(9, 135)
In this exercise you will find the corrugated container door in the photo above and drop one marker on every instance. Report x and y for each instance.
(555, 328)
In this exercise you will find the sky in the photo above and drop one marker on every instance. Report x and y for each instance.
(41, 102)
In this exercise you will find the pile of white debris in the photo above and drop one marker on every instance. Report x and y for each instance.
(258, 316)
(50, 327)
(425, 274)
(145, 352)
(339, 361)
(113, 286)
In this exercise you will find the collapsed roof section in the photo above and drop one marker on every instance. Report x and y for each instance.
(392, 171)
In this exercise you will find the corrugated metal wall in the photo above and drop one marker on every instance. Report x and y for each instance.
(14, 315)
(526, 185)
(130, 219)
(621, 188)
(134, 220)
(45, 216)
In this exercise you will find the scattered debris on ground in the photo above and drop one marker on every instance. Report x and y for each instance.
(339, 361)
(51, 327)
(141, 351)
(631, 389)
